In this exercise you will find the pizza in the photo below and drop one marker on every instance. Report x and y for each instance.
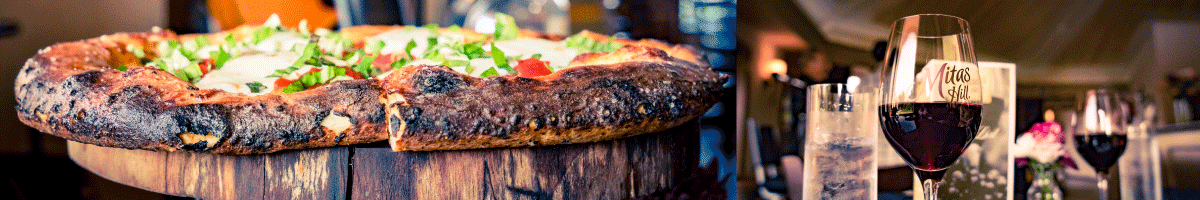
(266, 88)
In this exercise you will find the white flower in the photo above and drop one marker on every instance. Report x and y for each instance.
(1043, 150)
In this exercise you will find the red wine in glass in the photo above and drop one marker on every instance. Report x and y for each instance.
(930, 136)
(1101, 150)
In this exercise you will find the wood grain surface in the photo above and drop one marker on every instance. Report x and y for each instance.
(617, 169)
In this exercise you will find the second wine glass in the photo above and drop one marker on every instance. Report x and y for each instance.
(1099, 133)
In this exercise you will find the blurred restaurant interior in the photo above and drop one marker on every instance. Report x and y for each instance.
(1145, 51)
(38, 166)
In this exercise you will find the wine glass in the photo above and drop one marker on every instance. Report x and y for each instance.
(1099, 133)
(931, 94)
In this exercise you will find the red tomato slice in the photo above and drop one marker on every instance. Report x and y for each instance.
(353, 74)
(205, 66)
(283, 82)
(532, 67)
(384, 61)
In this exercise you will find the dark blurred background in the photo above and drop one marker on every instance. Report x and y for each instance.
(37, 165)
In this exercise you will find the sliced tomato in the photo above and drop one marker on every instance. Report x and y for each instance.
(358, 45)
(353, 74)
(384, 61)
(282, 83)
(205, 66)
(532, 67)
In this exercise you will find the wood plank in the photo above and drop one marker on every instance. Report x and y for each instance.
(140, 169)
(616, 169)
(306, 174)
(604, 170)
(211, 176)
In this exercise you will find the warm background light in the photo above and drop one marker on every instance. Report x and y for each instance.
(777, 66)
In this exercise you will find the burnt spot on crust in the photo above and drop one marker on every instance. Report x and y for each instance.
(437, 80)
(204, 119)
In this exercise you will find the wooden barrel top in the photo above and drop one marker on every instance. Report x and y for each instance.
(617, 169)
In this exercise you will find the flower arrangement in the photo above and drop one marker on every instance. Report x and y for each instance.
(1042, 149)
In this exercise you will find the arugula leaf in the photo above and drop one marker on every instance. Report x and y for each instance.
(490, 72)
(498, 57)
(433, 29)
(309, 55)
(589, 45)
(310, 52)
(364, 66)
(453, 28)
(294, 87)
(229, 40)
(283, 72)
(311, 79)
(137, 51)
(122, 67)
(158, 62)
(256, 87)
(219, 57)
(377, 47)
(201, 41)
(435, 56)
(474, 50)
(506, 27)
(262, 34)
(408, 48)
(431, 43)
(456, 63)
(399, 63)
(607, 46)
(191, 73)
(536, 56)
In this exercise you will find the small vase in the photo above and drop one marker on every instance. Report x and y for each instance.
(1045, 186)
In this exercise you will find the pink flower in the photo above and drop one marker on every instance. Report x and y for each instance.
(1043, 143)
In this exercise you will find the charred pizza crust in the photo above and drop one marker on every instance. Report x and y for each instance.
(72, 90)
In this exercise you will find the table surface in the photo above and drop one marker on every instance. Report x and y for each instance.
(617, 169)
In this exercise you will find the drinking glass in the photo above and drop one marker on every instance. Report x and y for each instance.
(931, 94)
(1099, 133)
(839, 150)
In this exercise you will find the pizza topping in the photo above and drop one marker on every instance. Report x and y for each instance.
(239, 74)
(506, 28)
(219, 57)
(323, 56)
(415, 42)
(256, 87)
(588, 45)
(532, 67)
(557, 53)
(316, 77)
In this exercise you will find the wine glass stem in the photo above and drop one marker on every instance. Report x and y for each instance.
(930, 187)
(1102, 183)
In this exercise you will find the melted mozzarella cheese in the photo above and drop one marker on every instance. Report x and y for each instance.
(396, 41)
(237, 72)
(556, 53)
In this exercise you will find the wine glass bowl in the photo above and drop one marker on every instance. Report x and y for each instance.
(1099, 134)
(930, 94)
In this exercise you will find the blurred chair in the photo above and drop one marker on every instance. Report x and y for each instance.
(1179, 146)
